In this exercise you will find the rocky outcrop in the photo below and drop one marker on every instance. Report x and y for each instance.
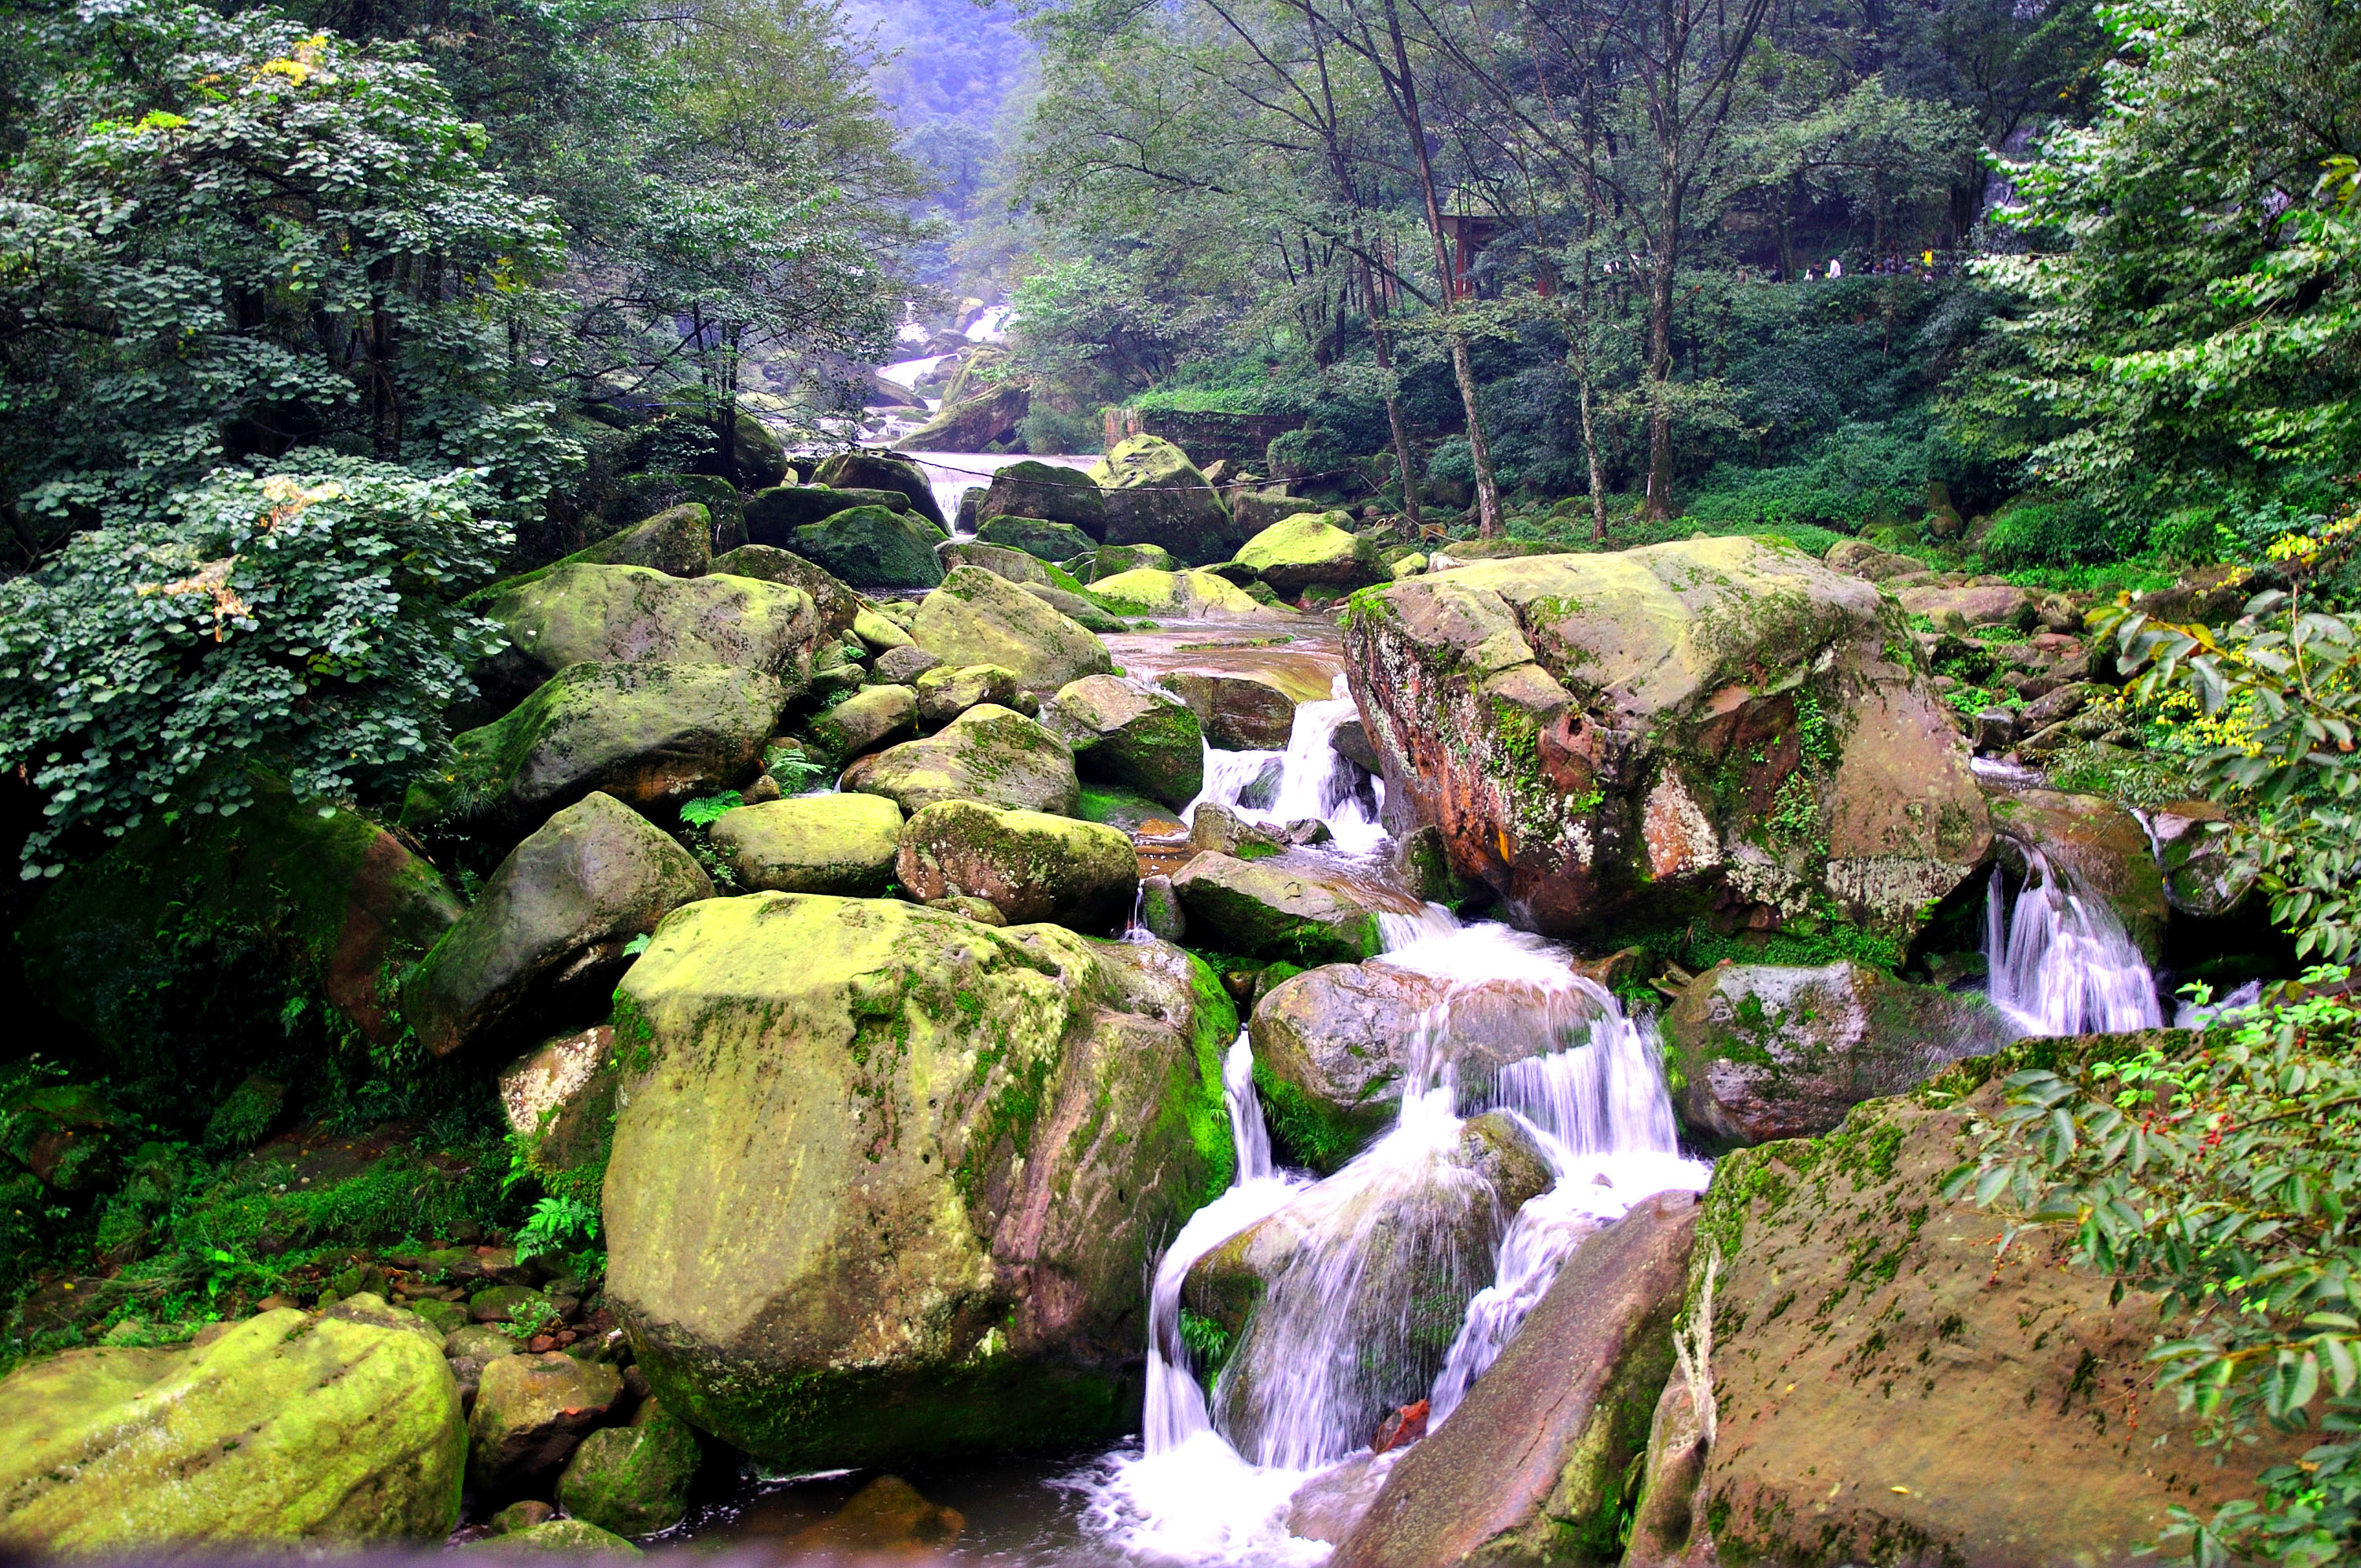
(1130, 736)
(281, 1431)
(1297, 552)
(2201, 876)
(931, 1158)
(883, 471)
(976, 422)
(988, 753)
(346, 901)
(1238, 713)
(1719, 730)
(1967, 1405)
(872, 547)
(1757, 1052)
(1530, 1467)
(1050, 493)
(821, 843)
(2104, 846)
(629, 615)
(550, 927)
(1154, 495)
(978, 618)
(651, 735)
(1183, 595)
(1027, 864)
(1275, 910)
(834, 603)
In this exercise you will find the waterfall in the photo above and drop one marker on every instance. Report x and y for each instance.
(1309, 779)
(2060, 961)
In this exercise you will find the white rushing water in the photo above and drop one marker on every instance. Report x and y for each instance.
(1305, 781)
(2060, 961)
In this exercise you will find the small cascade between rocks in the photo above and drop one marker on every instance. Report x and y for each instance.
(1307, 780)
(2060, 961)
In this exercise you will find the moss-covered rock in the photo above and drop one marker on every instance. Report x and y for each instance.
(774, 515)
(1035, 536)
(1154, 495)
(872, 548)
(677, 540)
(559, 1100)
(1043, 490)
(1719, 728)
(1183, 595)
(1274, 911)
(279, 1430)
(547, 934)
(945, 693)
(929, 1159)
(978, 618)
(1756, 1052)
(1969, 1404)
(529, 1412)
(2095, 840)
(556, 1537)
(632, 1480)
(1238, 713)
(755, 452)
(989, 753)
(883, 471)
(821, 843)
(1001, 561)
(651, 735)
(1112, 560)
(629, 615)
(342, 900)
(2201, 876)
(867, 719)
(832, 601)
(1297, 552)
(640, 496)
(1131, 736)
(1028, 865)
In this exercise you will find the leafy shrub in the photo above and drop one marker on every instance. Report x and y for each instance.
(307, 618)
(2059, 532)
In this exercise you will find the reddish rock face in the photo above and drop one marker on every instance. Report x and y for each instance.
(1719, 730)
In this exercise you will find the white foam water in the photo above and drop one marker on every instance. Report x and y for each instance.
(1309, 779)
(2060, 961)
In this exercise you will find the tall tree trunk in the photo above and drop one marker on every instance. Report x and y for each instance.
(1660, 370)
(1378, 339)
(1463, 368)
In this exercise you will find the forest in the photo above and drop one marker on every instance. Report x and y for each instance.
(1229, 782)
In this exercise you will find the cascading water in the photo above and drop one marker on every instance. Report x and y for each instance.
(2060, 961)
(1306, 780)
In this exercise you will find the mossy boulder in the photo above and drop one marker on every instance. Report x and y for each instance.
(1181, 596)
(883, 471)
(945, 693)
(978, 618)
(1028, 865)
(279, 1430)
(867, 719)
(1238, 713)
(1383, 1258)
(632, 1480)
(1030, 489)
(548, 932)
(1969, 1403)
(2201, 876)
(677, 540)
(651, 735)
(629, 615)
(989, 753)
(343, 903)
(1112, 560)
(1718, 729)
(640, 496)
(2097, 842)
(1756, 1052)
(1297, 552)
(832, 601)
(879, 632)
(755, 452)
(529, 1412)
(774, 515)
(872, 548)
(558, 1098)
(1035, 536)
(1001, 561)
(1131, 736)
(556, 1537)
(1269, 910)
(1154, 495)
(819, 843)
(931, 1159)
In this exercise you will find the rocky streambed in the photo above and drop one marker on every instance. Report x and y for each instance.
(1080, 1046)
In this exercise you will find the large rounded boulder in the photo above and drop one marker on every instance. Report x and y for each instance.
(1154, 495)
(872, 547)
(887, 1183)
(1718, 730)
(282, 1431)
(628, 615)
(882, 471)
(1295, 552)
(813, 843)
(976, 617)
(989, 753)
(835, 604)
(1027, 864)
(1132, 736)
(1035, 489)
